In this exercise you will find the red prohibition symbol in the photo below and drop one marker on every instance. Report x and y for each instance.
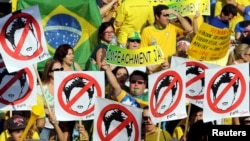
(195, 79)
(155, 107)
(67, 106)
(7, 86)
(213, 103)
(122, 125)
(20, 44)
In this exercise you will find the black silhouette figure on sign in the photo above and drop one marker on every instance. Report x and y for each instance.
(195, 88)
(168, 98)
(229, 98)
(13, 86)
(118, 115)
(72, 87)
(16, 32)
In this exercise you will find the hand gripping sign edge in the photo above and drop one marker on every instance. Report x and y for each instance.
(179, 94)
(241, 95)
(130, 117)
(64, 105)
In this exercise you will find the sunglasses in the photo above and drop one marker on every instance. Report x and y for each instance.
(138, 82)
(166, 15)
(131, 40)
(57, 69)
(146, 118)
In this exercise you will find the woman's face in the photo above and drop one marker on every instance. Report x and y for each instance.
(246, 56)
(69, 58)
(121, 76)
(56, 67)
(107, 34)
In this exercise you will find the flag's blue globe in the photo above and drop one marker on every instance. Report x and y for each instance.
(61, 29)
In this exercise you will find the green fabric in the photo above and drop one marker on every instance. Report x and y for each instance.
(91, 65)
(75, 22)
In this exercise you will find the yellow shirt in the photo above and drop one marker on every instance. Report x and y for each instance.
(5, 135)
(164, 136)
(133, 14)
(165, 38)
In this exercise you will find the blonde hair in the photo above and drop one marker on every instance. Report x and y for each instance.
(237, 52)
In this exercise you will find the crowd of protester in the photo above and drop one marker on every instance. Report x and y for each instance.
(135, 24)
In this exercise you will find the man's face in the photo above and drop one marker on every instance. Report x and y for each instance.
(15, 90)
(149, 125)
(228, 99)
(16, 134)
(163, 19)
(196, 88)
(227, 18)
(30, 45)
(137, 85)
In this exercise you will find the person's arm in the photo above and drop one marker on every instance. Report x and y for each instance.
(107, 7)
(186, 26)
(58, 130)
(83, 133)
(111, 79)
(239, 7)
(100, 55)
(195, 22)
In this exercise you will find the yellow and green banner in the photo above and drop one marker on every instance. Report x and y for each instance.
(186, 7)
(139, 57)
(74, 22)
(210, 43)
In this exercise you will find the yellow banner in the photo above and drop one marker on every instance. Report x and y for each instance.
(210, 43)
(139, 57)
(186, 7)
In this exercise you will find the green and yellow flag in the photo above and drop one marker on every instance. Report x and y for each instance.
(74, 22)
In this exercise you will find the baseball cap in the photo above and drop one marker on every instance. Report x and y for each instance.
(247, 13)
(16, 122)
(134, 36)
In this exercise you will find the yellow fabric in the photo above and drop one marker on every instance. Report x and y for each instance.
(40, 103)
(177, 133)
(133, 14)
(220, 62)
(228, 121)
(165, 38)
(5, 133)
(124, 93)
(220, 3)
(154, 136)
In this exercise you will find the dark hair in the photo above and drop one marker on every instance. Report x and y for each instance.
(225, 78)
(62, 51)
(118, 68)
(102, 28)
(195, 70)
(159, 8)
(229, 9)
(140, 73)
(48, 66)
(199, 131)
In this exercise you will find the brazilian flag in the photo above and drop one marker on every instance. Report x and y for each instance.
(74, 22)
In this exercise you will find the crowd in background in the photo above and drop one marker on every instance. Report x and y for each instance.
(134, 24)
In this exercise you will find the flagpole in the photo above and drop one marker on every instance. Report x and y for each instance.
(187, 121)
(43, 93)
(159, 131)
